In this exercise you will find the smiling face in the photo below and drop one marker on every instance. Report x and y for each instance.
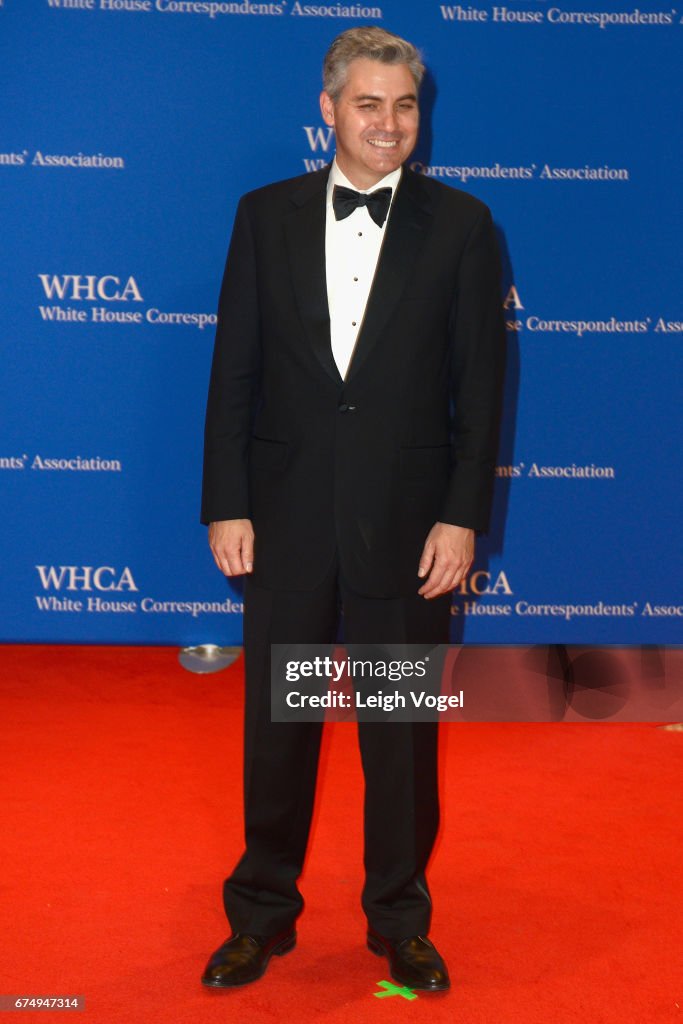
(375, 120)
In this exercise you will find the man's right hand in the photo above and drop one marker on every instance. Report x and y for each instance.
(232, 545)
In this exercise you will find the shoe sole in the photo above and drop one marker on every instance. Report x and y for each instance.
(379, 950)
(284, 947)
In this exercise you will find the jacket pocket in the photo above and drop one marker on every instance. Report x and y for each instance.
(423, 463)
(266, 455)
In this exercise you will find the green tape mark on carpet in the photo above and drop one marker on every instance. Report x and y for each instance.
(394, 990)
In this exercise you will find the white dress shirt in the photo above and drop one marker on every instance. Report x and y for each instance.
(352, 248)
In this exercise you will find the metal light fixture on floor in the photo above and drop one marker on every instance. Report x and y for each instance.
(208, 658)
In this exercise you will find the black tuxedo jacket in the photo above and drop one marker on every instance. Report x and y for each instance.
(369, 463)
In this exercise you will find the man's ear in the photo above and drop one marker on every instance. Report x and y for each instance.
(327, 108)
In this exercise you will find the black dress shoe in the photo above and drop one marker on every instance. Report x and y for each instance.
(244, 958)
(413, 961)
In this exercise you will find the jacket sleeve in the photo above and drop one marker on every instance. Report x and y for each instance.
(477, 369)
(233, 387)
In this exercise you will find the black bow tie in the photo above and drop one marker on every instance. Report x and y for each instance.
(345, 201)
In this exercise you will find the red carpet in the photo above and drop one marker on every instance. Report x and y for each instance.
(556, 879)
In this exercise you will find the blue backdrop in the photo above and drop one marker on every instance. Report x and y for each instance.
(129, 130)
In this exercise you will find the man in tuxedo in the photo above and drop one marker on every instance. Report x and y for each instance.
(350, 446)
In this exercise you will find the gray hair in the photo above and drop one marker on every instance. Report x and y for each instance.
(369, 43)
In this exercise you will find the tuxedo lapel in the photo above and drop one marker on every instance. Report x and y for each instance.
(305, 231)
(409, 221)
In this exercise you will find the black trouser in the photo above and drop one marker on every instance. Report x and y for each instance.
(401, 813)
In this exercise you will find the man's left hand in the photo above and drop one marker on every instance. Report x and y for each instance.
(446, 558)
